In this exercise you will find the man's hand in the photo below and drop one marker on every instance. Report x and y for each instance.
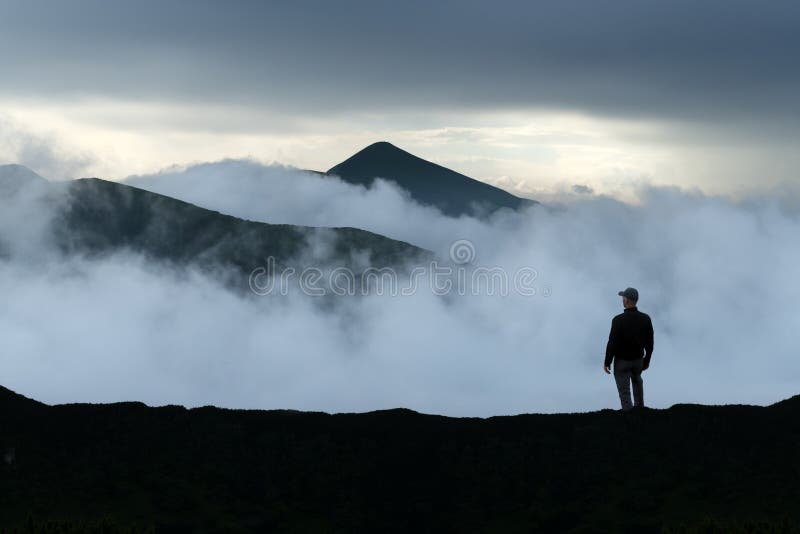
(607, 369)
(645, 365)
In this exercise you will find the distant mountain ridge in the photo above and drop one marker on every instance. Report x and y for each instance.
(95, 217)
(104, 215)
(427, 183)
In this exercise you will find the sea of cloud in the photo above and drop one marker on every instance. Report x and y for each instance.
(717, 276)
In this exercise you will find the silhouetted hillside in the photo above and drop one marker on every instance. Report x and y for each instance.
(95, 217)
(211, 470)
(103, 216)
(427, 183)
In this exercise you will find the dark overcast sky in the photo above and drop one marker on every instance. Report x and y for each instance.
(708, 68)
(621, 57)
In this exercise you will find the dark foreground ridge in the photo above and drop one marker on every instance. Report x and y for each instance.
(212, 470)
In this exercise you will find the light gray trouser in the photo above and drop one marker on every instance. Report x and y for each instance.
(625, 373)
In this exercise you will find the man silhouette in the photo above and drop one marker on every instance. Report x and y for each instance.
(630, 346)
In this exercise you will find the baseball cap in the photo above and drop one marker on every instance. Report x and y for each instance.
(630, 293)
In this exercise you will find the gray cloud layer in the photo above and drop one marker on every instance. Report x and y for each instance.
(675, 59)
(718, 278)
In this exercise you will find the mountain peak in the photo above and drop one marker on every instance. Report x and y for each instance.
(20, 171)
(381, 154)
(384, 148)
(428, 183)
(382, 145)
(14, 176)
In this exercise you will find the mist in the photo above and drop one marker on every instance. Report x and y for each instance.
(716, 275)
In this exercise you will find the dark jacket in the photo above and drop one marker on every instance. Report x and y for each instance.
(631, 337)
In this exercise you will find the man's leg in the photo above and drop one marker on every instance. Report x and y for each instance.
(638, 386)
(622, 375)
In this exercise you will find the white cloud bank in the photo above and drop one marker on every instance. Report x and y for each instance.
(718, 278)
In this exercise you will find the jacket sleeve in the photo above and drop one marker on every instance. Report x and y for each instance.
(648, 341)
(612, 338)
